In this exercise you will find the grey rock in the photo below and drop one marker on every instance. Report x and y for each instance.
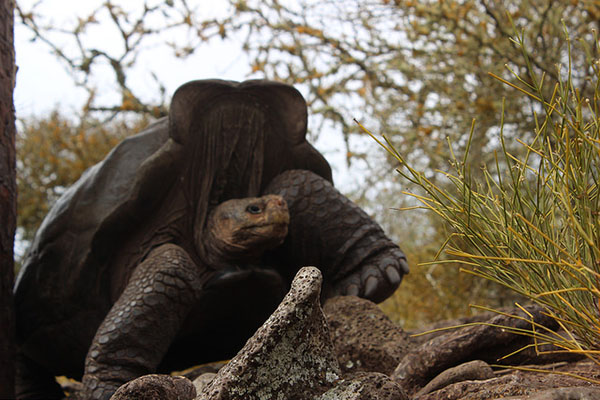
(471, 371)
(365, 339)
(156, 387)
(566, 393)
(508, 385)
(290, 357)
(365, 386)
(203, 380)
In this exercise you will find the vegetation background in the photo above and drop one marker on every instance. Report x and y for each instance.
(418, 71)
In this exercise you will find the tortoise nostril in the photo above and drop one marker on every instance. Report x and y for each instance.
(277, 201)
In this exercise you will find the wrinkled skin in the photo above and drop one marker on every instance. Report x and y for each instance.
(125, 277)
(241, 230)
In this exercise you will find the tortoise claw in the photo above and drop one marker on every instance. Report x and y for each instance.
(371, 286)
(393, 275)
(383, 276)
(404, 266)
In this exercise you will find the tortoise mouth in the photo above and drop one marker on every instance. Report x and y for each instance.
(261, 234)
(262, 225)
(265, 229)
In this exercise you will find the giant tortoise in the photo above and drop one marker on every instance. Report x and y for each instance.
(121, 278)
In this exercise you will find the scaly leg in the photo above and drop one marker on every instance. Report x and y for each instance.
(137, 332)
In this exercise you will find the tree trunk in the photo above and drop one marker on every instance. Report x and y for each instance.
(8, 199)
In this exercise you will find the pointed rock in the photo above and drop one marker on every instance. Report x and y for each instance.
(290, 357)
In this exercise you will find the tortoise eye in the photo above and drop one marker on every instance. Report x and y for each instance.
(253, 209)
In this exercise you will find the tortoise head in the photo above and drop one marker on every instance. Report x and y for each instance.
(241, 230)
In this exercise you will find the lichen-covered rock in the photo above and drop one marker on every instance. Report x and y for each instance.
(156, 387)
(476, 370)
(365, 339)
(290, 357)
(365, 386)
(203, 380)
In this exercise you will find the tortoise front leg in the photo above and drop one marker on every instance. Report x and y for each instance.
(136, 333)
(329, 231)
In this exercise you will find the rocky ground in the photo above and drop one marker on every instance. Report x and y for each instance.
(348, 349)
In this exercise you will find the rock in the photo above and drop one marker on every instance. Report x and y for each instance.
(365, 339)
(423, 363)
(290, 357)
(195, 371)
(526, 385)
(508, 385)
(568, 393)
(156, 387)
(365, 386)
(203, 380)
(471, 371)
